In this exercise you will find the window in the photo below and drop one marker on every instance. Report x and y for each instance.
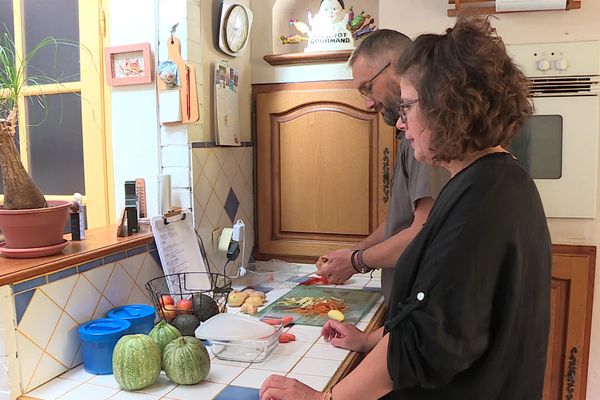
(62, 139)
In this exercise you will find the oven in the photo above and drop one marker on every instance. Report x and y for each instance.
(559, 143)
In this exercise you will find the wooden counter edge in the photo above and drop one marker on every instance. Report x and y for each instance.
(99, 242)
(353, 359)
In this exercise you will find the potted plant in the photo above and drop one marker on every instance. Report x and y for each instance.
(28, 221)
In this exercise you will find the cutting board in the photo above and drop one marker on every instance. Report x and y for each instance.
(359, 302)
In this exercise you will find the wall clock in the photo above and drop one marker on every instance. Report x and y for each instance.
(234, 31)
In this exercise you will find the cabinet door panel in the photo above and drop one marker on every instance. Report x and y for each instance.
(319, 164)
(570, 324)
(324, 160)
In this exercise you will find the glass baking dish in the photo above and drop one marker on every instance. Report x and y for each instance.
(246, 350)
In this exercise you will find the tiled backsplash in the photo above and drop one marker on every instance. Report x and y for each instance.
(223, 193)
(49, 309)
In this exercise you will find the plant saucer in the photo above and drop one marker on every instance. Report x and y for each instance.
(32, 252)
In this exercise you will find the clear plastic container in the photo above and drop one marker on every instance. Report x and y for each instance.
(234, 337)
(267, 275)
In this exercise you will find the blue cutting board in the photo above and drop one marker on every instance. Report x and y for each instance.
(359, 302)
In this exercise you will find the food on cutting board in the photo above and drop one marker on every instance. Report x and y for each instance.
(186, 361)
(186, 324)
(249, 300)
(314, 305)
(336, 315)
(136, 362)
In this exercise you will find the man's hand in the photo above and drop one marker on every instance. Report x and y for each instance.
(336, 266)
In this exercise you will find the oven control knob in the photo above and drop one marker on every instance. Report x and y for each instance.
(561, 64)
(543, 65)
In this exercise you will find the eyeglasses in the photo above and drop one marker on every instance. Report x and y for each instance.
(403, 108)
(365, 88)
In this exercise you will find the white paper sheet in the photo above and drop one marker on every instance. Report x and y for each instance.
(180, 253)
(168, 106)
(530, 5)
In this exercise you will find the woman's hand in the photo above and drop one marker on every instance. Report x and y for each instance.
(346, 336)
(277, 387)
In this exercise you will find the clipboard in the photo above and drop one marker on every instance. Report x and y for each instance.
(179, 251)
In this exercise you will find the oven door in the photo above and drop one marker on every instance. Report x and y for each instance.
(559, 148)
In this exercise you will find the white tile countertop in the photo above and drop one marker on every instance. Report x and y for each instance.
(309, 359)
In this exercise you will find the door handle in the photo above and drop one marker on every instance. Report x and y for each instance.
(386, 175)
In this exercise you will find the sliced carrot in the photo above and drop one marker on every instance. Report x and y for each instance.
(272, 321)
(287, 320)
(283, 338)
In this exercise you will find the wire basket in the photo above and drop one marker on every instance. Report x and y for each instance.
(186, 293)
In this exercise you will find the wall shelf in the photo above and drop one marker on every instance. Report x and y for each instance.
(489, 7)
(308, 58)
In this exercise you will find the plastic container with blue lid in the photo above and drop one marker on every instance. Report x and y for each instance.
(141, 317)
(98, 338)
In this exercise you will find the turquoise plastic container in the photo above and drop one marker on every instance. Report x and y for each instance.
(140, 316)
(98, 340)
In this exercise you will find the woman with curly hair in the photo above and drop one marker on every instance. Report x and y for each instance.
(469, 311)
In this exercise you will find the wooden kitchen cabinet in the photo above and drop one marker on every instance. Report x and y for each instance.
(324, 166)
(570, 324)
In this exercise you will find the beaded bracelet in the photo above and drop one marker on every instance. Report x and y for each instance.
(353, 261)
(364, 268)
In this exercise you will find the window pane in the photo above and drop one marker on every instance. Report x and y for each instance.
(7, 27)
(60, 20)
(6, 17)
(56, 143)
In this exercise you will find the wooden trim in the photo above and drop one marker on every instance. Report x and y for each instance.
(99, 242)
(582, 272)
(308, 58)
(481, 7)
(317, 85)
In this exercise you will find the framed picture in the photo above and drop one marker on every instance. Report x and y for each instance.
(128, 65)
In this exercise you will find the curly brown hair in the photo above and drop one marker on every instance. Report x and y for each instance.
(470, 92)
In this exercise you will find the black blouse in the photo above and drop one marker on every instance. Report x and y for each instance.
(470, 307)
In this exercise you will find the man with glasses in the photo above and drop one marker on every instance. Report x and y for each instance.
(372, 64)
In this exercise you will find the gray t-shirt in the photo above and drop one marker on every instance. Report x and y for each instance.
(413, 180)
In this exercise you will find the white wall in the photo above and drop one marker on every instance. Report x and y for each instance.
(265, 12)
(134, 108)
(415, 17)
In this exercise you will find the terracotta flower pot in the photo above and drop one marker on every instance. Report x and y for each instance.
(34, 228)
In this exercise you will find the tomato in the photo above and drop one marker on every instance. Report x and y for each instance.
(166, 299)
(185, 306)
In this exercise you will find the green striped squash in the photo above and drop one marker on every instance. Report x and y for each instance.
(186, 360)
(162, 334)
(136, 362)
